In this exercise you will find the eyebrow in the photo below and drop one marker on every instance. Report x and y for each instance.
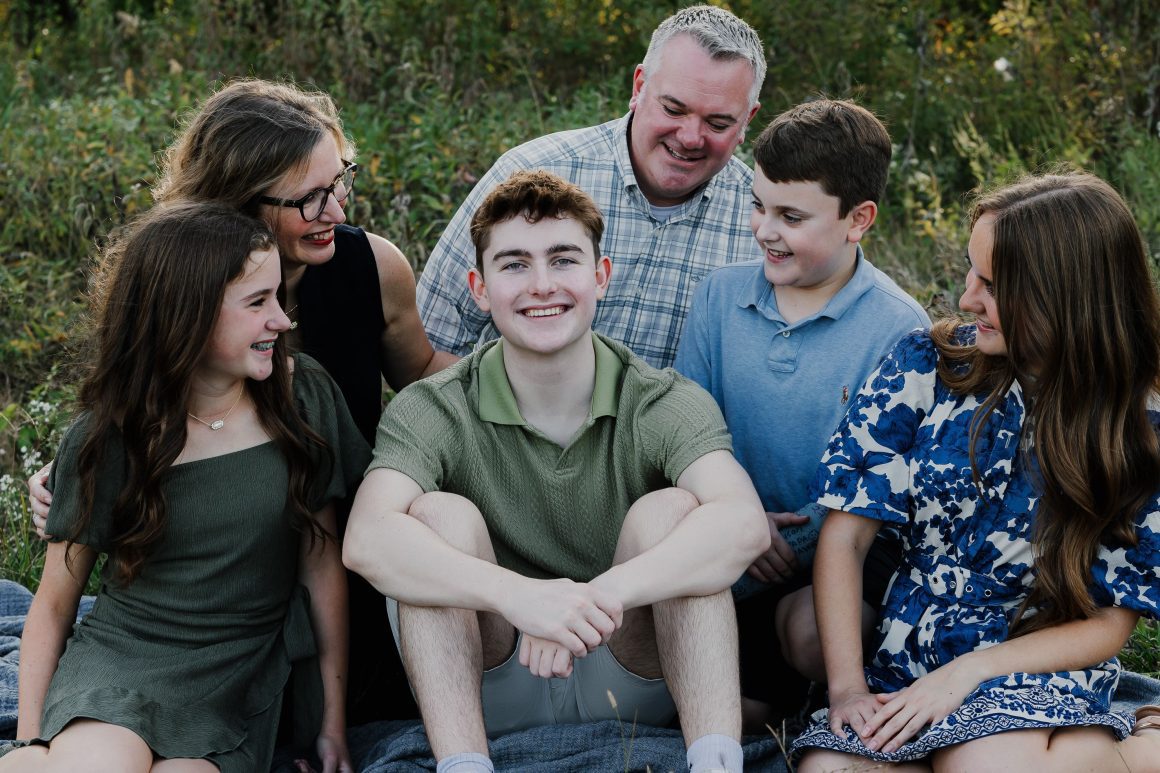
(724, 117)
(780, 207)
(259, 293)
(518, 252)
(321, 187)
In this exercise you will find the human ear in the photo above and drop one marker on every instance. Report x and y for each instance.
(638, 79)
(478, 290)
(603, 275)
(861, 217)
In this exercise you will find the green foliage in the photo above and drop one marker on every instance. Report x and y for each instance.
(29, 434)
(1141, 654)
(973, 91)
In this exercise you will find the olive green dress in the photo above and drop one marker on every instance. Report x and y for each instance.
(194, 654)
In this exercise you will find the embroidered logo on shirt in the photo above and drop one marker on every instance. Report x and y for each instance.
(845, 395)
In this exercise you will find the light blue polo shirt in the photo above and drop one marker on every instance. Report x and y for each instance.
(783, 388)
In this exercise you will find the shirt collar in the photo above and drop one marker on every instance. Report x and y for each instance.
(497, 402)
(758, 292)
(623, 160)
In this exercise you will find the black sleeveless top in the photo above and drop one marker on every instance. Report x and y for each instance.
(340, 319)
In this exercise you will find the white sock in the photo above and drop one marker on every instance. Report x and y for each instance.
(714, 752)
(468, 762)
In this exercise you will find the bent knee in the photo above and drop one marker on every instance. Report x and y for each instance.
(651, 518)
(439, 511)
(457, 520)
(797, 632)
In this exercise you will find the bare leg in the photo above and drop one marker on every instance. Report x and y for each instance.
(183, 766)
(442, 648)
(825, 761)
(797, 630)
(696, 638)
(1066, 750)
(88, 745)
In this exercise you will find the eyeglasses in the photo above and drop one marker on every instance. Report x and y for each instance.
(313, 203)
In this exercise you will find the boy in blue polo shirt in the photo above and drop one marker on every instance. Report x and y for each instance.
(784, 341)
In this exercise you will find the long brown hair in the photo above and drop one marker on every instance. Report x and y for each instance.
(244, 139)
(156, 299)
(1080, 317)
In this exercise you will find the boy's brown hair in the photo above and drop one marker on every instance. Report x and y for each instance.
(839, 145)
(534, 195)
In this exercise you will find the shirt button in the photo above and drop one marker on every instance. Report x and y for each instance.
(785, 334)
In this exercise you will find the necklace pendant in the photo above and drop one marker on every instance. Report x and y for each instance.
(294, 325)
(215, 426)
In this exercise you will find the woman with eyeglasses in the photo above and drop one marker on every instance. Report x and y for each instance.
(279, 153)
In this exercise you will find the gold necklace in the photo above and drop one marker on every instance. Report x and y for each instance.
(217, 424)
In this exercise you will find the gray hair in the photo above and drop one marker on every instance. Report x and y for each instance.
(719, 32)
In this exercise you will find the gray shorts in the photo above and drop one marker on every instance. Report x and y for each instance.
(515, 699)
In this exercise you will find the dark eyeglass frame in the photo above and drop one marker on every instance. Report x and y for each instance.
(300, 203)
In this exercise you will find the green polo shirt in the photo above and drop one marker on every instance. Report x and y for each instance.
(551, 511)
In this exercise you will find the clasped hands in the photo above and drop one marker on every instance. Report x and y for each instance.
(886, 721)
(561, 620)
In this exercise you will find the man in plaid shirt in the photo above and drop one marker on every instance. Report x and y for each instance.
(675, 201)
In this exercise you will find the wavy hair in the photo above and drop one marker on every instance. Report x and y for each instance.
(535, 195)
(1080, 317)
(245, 138)
(157, 296)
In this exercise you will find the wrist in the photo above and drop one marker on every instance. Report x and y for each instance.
(970, 667)
(844, 688)
(332, 729)
(504, 598)
(611, 583)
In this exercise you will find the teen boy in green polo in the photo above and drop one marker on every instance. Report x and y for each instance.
(552, 506)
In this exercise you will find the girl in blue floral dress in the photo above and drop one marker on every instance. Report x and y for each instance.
(1019, 458)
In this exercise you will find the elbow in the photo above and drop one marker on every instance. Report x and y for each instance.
(755, 538)
(355, 552)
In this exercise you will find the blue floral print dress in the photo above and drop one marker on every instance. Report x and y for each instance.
(901, 456)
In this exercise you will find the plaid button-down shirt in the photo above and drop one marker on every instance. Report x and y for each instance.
(655, 265)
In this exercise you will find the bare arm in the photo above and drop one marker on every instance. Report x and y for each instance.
(842, 547)
(406, 353)
(320, 570)
(408, 561)
(1069, 646)
(48, 627)
(711, 546)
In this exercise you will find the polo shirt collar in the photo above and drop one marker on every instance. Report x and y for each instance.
(758, 292)
(497, 402)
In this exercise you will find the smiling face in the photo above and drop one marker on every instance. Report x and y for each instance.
(540, 283)
(242, 342)
(689, 115)
(979, 297)
(806, 244)
(299, 242)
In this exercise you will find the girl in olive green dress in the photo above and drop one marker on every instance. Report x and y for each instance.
(203, 464)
